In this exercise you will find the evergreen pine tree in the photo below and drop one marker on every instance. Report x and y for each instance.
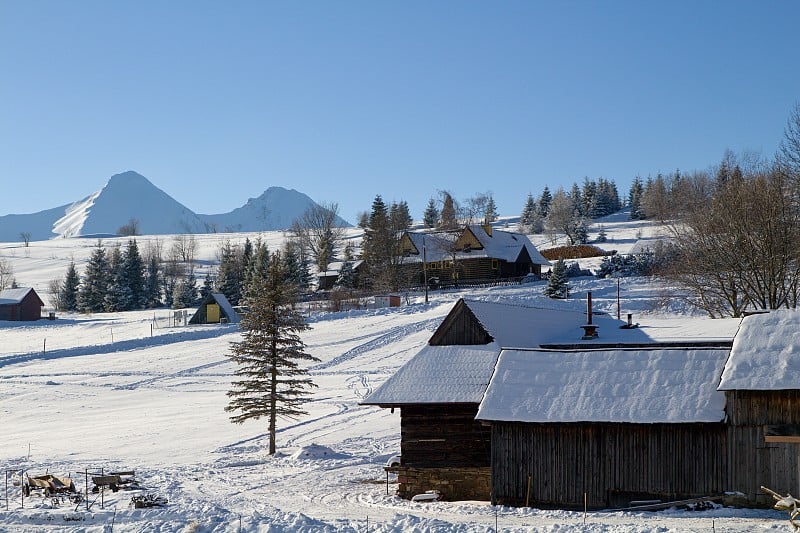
(133, 276)
(68, 294)
(557, 284)
(258, 266)
(490, 214)
(229, 276)
(208, 286)
(346, 278)
(448, 215)
(544, 202)
(118, 296)
(635, 199)
(297, 266)
(185, 292)
(95, 281)
(430, 219)
(400, 216)
(577, 199)
(153, 283)
(377, 245)
(270, 382)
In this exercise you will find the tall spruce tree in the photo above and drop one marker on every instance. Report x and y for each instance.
(297, 266)
(271, 383)
(133, 274)
(377, 245)
(544, 202)
(68, 294)
(557, 284)
(95, 282)
(635, 199)
(229, 276)
(490, 213)
(118, 296)
(153, 283)
(430, 218)
(448, 221)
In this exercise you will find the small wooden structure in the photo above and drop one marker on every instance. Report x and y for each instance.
(20, 304)
(387, 300)
(214, 309)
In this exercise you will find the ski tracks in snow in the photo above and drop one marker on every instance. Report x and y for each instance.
(391, 335)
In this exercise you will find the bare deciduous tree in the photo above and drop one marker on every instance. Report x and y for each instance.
(741, 250)
(26, 238)
(318, 233)
(6, 275)
(131, 229)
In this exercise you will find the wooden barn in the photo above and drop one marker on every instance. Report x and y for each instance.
(439, 390)
(214, 308)
(476, 253)
(20, 304)
(611, 425)
(761, 383)
(632, 414)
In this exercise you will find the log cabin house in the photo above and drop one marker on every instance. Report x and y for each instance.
(513, 405)
(475, 253)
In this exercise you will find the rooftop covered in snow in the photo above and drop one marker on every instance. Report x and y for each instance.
(623, 385)
(765, 353)
(439, 374)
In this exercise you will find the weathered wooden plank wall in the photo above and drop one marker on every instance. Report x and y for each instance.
(443, 436)
(752, 461)
(605, 461)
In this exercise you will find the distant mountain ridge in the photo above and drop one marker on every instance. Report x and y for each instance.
(130, 196)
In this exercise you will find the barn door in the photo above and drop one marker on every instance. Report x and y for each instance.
(212, 313)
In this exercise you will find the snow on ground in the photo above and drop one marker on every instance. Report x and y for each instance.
(127, 391)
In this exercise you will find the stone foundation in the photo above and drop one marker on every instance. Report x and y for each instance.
(452, 483)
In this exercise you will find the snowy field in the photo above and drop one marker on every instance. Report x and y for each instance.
(114, 392)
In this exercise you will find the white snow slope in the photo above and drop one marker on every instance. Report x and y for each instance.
(127, 391)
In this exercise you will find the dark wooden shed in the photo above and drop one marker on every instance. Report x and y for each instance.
(20, 304)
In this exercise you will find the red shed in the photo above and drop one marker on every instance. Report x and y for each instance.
(20, 304)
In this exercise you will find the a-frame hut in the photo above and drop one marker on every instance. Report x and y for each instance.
(214, 308)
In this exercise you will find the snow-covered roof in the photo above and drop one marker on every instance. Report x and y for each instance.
(335, 268)
(516, 326)
(436, 248)
(14, 296)
(634, 386)
(440, 374)
(765, 353)
(504, 245)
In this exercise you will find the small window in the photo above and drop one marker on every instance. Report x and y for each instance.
(495, 264)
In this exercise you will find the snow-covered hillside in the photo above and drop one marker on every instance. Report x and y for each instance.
(132, 391)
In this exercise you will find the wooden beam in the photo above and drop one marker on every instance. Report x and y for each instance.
(782, 433)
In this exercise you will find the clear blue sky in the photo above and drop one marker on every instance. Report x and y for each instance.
(342, 100)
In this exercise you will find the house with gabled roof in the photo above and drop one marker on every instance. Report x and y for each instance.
(21, 303)
(476, 253)
(515, 404)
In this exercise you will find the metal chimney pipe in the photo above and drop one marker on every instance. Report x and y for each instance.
(589, 307)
